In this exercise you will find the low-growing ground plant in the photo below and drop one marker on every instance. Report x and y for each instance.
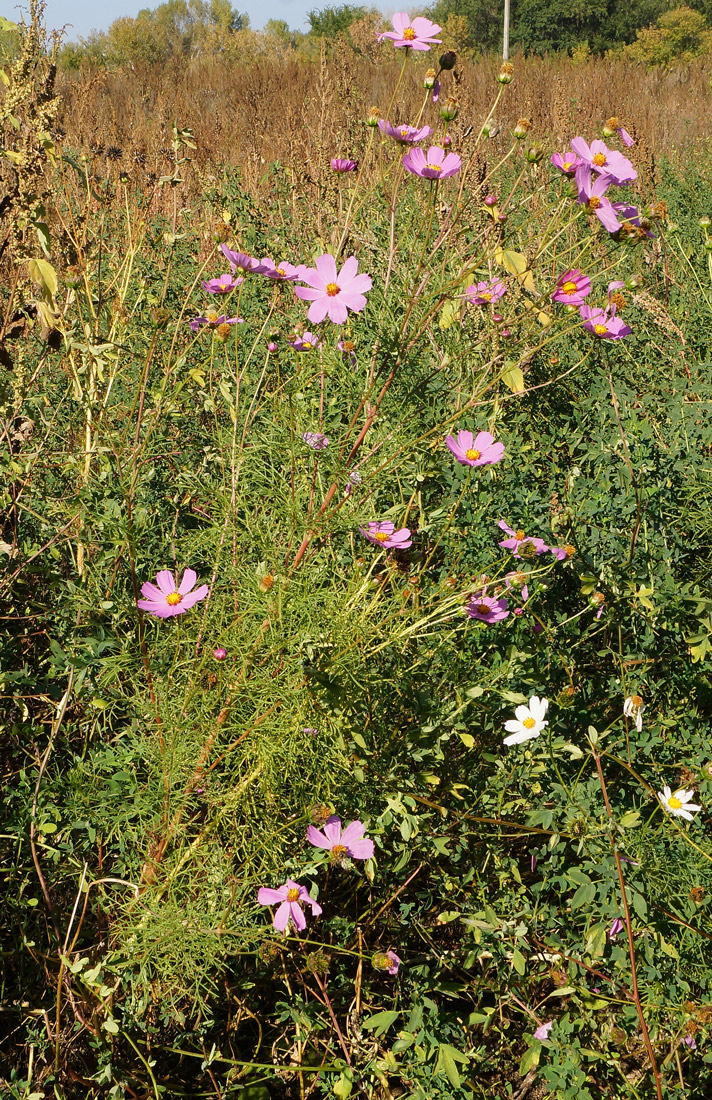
(355, 571)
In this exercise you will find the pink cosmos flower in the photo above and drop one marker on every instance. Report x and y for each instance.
(631, 216)
(341, 843)
(488, 609)
(394, 959)
(224, 284)
(405, 135)
(591, 194)
(608, 162)
(542, 1032)
(171, 598)
(604, 324)
(343, 164)
(306, 342)
(315, 440)
(290, 897)
(384, 534)
(562, 553)
(483, 294)
(616, 928)
(213, 319)
(240, 261)
(348, 351)
(480, 450)
(283, 271)
(436, 165)
(333, 294)
(520, 544)
(571, 288)
(566, 162)
(354, 478)
(518, 578)
(625, 137)
(414, 34)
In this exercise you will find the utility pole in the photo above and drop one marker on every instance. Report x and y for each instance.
(505, 39)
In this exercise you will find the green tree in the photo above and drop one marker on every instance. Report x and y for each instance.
(331, 21)
(678, 36)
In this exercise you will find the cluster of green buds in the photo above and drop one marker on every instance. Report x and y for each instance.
(490, 128)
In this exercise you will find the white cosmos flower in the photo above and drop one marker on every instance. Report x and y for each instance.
(633, 708)
(528, 721)
(678, 803)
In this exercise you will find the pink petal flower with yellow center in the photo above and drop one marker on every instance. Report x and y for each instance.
(601, 323)
(488, 609)
(290, 898)
(485, 293)
(383, 533)
(167, 597)
(521, 545)
(479, 450)
(436, 164)
(214, 319)
(571, 288)
(566, 162)
(306, 342)
(224, 284)
(343, 164)
(240, 261)
(342, 842)
(283, 271)
(608, 162)
(414, 34)
(332, 294)
(404, 134)
(591, 194)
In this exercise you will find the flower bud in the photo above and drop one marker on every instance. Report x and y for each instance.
(634, 281)
(534, 153)
(447, 60)
(522, 128)
(271, 346)
(220, 654)
(430, 78)
(373, 117)
(497, 318)
(160, 317)
(318, 962)
(704, 222)
(490, 128)
(446, 141)
(449, 109)
(491, 200)
(505, 333)
(610, 127)
(506, 73)
(221, 232)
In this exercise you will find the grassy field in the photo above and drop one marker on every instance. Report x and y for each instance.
(374, 609)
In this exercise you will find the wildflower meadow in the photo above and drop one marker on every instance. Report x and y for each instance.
(356, 611)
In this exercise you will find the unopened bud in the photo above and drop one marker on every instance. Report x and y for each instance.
(373, 118)
(522, 128)
(160, 317)
(449, 109)
(446, 141)
(491, 200)
(610, 127)
(430, 78)
(506, 73)
(490, 128)
(447, 60)
(704, 222)
(271, 346)
(534, 154)
(497, 318)
(634, 281)
(220, 654)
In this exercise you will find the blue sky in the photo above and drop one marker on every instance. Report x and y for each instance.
(86, 16)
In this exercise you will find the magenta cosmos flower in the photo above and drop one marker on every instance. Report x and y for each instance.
(282, 271)
(415, 34)
(608, 162)
(404, 134)
(224, 284)
(240, 261)
(631, 219)
(566, 162)
(332, 294)
(395, 961)
(592, 195)
(343, 164)
(305, 342)
(520, 544)
(519, 580)
(435, 165)
(542, 1032)
(214, 319)
(483, 294)
(604, 324)
(384, 534)
(479, 450)
(572, 287)
(290, 898)
(315, 440)
(342, 842)
(170, 598)
(488, 609)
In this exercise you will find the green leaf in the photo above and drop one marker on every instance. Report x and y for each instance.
(380, 1023)
(583, 896)
(448, 1057)
(513, 378)
(111, 1026)
(467, 740)
(630, 819)
(530, 1059)
(518, 961)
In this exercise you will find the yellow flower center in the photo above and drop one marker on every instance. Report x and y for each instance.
(279, 270)
(293, 894)
(674, 802)
(569, 288)
(594, 202)
(332, 289)
(306, 345)
(472, 454)
(338, 851)
(519, 535)
(569, 550)
(409, 34)
(212, 316)
(529, 723)
(347, 345)
(404, 131)
(435, 167)
(612, 122)
(599, 160)
(223, 331)
(381, 536)
(600, 330)
(483, 608)
(567, 165)
(173, 598)
(486, 295)
(636, 700)
(223, 288)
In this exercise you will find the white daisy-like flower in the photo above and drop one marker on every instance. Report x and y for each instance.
(528, 721)
(678, 802)
(633, 708)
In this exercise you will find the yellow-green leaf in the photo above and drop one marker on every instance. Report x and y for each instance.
(513, 378)
(42, 272)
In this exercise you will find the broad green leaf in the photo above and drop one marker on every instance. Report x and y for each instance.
(513, 378)
(448, 1058)
(530, 1059)
(380, 1023)
(42, 272)
(518, 961)
(111, 1026)
(583, 896)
